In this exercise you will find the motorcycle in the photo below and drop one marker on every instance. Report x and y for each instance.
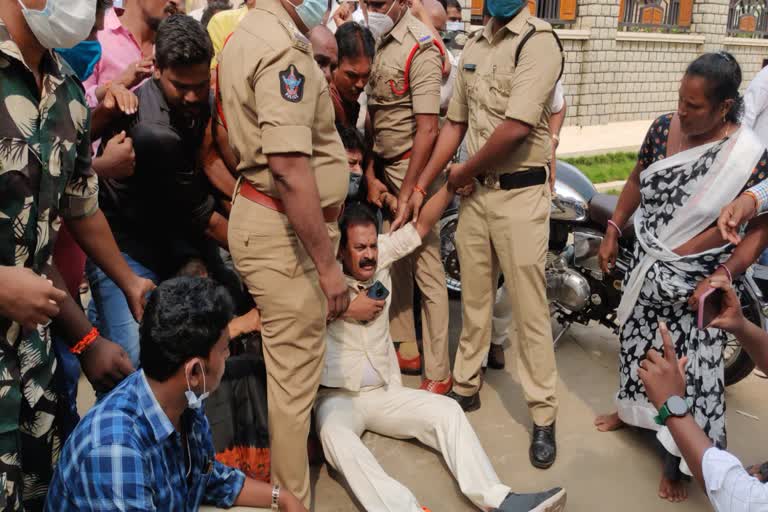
(577, 289)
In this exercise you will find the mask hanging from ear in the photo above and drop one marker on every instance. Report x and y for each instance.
(193, 401)
(311, 12)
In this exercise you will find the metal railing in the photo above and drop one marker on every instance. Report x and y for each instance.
(652, 14)
(549, 11)
(748, 18)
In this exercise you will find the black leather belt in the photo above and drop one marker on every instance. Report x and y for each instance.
(514, 180)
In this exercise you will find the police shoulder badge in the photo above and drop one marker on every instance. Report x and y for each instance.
(292, 84)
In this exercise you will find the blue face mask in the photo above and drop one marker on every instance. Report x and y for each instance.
(311, 12)
(82, 58)
(505, 8)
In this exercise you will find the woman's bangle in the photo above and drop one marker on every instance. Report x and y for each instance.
(727, 271)
(82, 345)
(611, 223)
(276, 498)
(420, 190)
(755, 199)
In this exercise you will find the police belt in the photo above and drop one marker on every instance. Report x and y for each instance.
(514, 180)
(248, 191)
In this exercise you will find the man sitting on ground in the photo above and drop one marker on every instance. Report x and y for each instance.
(363, 390)
(147, 445)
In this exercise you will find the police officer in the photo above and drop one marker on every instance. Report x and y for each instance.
(502, 103)
(404, 102)
(283, 233)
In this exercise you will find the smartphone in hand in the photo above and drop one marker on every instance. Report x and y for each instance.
(378, 291)
(710, 305)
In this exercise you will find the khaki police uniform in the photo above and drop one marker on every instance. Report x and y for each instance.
(507, 230)
(276, 101)
(394, 105)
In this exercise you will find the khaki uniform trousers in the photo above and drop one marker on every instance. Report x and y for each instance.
(507, 231)
(402, 413)
(425, 267)
(283, 281)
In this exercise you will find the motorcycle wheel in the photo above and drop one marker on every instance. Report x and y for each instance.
(448, 253)
(738, 364)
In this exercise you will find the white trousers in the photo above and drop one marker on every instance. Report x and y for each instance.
(402, 413)
(502, 319)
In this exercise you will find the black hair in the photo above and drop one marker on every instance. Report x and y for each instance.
(351, 138)
(355, 40)
(355, 214)
(184, 318)
(213, 8)
(103, 5)
(723, 73)
(182, 41)
(453, 3)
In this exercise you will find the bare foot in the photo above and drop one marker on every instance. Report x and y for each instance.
(609, 422)
(673, 491)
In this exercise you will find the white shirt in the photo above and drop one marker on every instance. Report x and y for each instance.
(352, 348)
(729, 487)
(446, 89)
(197, 14)
(558, 98)
(756, 106)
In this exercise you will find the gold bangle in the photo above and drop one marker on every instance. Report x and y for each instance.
(754, 198)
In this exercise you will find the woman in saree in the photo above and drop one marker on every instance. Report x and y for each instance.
(692, 163)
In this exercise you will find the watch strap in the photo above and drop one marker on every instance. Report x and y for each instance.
(663, 416)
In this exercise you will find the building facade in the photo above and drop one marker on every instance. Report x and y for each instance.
(624, 58)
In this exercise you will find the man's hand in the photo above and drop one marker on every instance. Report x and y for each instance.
(364, 309)
(376, 191)
(739, 211)
(466, 190)
(414, 207)
(404, 211)
(289, 503)
(703, 286)
(120, 99)
(136, 72)
(27, 298)
(136, 295)
(105, 364)
(663, 376)
(390, 201)
(118, 159)
(731, 317)
(245, 324)
(458, 176)
(335, 288)
(343, 14)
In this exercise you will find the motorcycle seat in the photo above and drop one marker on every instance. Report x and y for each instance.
(601, 209)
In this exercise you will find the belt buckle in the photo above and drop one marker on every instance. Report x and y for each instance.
(490, 180)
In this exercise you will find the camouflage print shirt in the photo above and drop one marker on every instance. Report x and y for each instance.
(45, 175)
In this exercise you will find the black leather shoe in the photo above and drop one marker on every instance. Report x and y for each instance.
(467, 403)
(543, 446)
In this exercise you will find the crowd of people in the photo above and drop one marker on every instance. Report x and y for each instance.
(279, 169)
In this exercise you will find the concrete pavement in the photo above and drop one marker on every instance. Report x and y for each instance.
(607, 138)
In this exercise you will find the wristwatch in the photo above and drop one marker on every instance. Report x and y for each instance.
(675, 406)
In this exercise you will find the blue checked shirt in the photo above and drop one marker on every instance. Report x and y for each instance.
(761, 191)
(126, 455)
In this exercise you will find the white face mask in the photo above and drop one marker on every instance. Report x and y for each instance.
(454, 26)
(381, 24)
(194, 401)
(59, 25)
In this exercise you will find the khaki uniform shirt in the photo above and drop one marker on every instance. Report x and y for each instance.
(489, 89)
(276, 101)
(393, 115)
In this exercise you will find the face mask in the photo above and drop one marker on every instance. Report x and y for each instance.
(61, 26)
(194, 401)
(82, 58)
(381, 24)
(355, 180)
(454, 26)
(504, 8)
(311, 12)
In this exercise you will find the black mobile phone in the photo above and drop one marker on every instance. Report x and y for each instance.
(378, 291)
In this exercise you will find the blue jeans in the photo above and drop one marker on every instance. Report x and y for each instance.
(109, 309)
(65, 383)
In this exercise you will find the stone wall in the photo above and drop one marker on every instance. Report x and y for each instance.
(612, 75)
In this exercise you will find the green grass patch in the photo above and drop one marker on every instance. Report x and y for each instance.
(605, 168)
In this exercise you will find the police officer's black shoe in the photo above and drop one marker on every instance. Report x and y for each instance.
(467, 403)
(552, 500)
(543, 449)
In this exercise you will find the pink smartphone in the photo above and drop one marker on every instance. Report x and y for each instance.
(710, 305)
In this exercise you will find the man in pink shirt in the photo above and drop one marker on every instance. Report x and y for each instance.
(128, 43)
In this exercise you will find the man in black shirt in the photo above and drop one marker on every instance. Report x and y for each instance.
(163, 215)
